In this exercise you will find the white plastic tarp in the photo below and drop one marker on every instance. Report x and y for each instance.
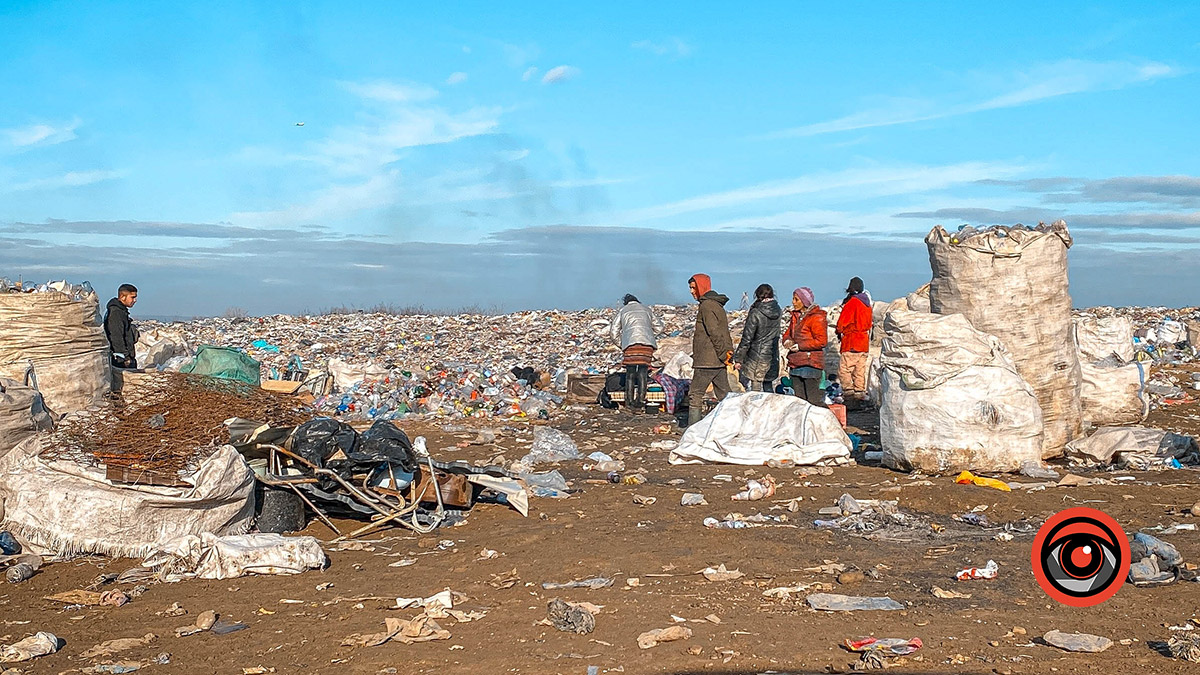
(208, 556)
(1137, 446)
(755, 428)
(62, 507)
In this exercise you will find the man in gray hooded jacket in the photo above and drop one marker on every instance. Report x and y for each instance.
(636, 326)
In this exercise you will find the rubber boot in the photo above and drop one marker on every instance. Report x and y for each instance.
(695, 414)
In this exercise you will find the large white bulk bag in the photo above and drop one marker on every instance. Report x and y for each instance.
(1100, 338)
(1012, 283)
(60, 340)
(952, 399)
(1113, 394)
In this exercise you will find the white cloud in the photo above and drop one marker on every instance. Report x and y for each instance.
(1038, 84)
(560, 74)
(67, 180)
(366, 148)
(513, 155)
(394, 92)
(856, 183)
(396, 117)
(334, 202)
(367, 266)
(40, 134)
(519, 55)
(529, 73)
(456, 78)
(671, 46)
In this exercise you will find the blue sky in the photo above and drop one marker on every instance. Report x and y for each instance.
(529, 155)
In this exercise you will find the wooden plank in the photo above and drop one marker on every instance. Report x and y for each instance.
(281, 386)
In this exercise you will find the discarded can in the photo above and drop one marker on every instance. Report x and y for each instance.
(19, 572)
(614, 477)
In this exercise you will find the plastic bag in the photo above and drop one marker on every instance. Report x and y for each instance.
(550, 484)
(550, 445)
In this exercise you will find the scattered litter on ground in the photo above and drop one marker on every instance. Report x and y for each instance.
(652, 638)
(720, 573)
(27, 649)
(570, 617)
(1077, 642)
(989, 571)
(832, 602)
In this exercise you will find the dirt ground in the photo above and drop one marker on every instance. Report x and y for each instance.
(653, 553)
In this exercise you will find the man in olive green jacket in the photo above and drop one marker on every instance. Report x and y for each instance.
(712, 346)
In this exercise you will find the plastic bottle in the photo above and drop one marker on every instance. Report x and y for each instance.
(613, 466)
(19, 572)
(714, 524)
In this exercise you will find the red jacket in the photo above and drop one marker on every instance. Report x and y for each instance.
(854, 326)
(810, 332)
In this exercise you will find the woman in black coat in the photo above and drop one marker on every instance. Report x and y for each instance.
(757, 355)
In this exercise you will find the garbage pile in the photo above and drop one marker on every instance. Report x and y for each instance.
(385, 366)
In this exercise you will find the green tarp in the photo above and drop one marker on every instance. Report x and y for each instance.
(225, 363)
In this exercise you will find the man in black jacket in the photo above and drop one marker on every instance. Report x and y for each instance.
(122, 336)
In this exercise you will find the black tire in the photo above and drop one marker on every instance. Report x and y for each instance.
(279, 510)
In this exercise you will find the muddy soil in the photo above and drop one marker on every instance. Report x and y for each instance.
(297, 624)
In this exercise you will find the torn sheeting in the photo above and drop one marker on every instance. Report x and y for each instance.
(754, 428)
(1137, 447)
(514, 492)
(64, 508)
(211, 557)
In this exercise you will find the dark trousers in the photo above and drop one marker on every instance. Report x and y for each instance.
(809, 389)
(636, 378)
(765, 385)
(701, 378)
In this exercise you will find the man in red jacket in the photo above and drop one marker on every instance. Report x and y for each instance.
(854, 330)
